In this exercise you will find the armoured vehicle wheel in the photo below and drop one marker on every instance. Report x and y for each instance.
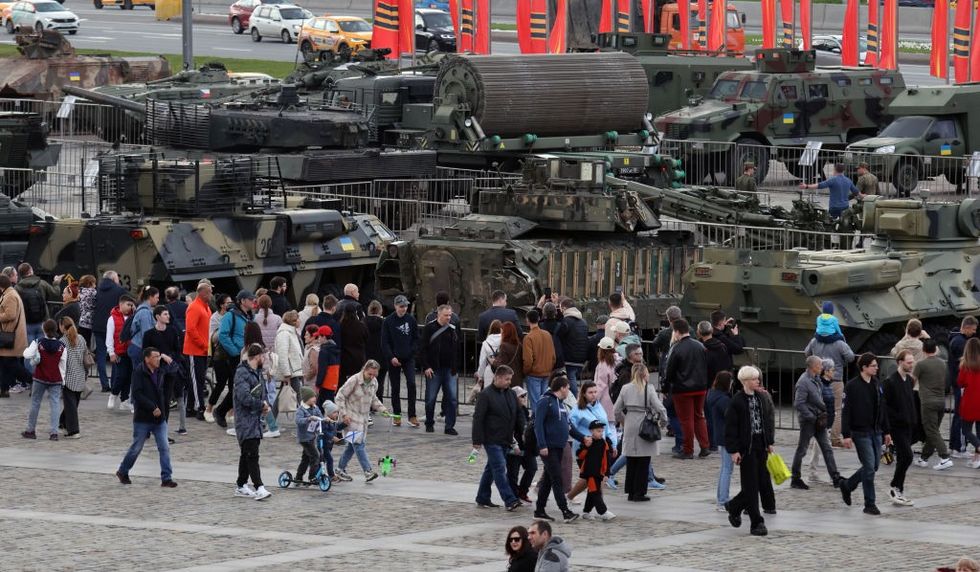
(748, 150)
(306, 48)
(286, 38)
(236, 26)
(433, 46)
(906, 176)
(97, 4)
(10, 27)
(256, 37)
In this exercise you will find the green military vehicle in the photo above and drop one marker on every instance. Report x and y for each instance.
(25, 153)
(786, 101)
(928, 138)
(922, 263)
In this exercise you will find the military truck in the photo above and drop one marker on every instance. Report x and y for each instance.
(922, 263)
(929, 137)
(785, 102)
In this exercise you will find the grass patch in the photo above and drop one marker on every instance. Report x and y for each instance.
(275, 69)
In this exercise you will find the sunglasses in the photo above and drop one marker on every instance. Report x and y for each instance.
(515, 539)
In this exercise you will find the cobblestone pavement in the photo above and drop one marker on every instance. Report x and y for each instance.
(62, 509)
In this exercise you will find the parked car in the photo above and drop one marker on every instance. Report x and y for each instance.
(240, 11)
(434, 31)
(342, 35)
(282, 21)
(40, 15)
(829, 48)
(124, 4)
(435, 4)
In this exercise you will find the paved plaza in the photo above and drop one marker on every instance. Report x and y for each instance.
(62, 509)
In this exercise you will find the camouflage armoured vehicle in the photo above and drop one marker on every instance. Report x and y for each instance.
(563, 227)
(177, 221)
(930, 123)
(24, 151)
(785, 102)
(48, 61)
(921, 264)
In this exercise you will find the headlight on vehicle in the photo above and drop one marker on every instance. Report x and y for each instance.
(447, 36)
(885, 150)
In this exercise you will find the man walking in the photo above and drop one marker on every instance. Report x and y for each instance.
(812, 414)
(862, 424)
(750, 432)
(551, 430)
(539, 357)
(437, 359)
(149, 397)
(573, 336)
(931, 374)
(197, 345)
(399, 344)
(902, 417)
(841, 354)
(685, 378)
(496, 420)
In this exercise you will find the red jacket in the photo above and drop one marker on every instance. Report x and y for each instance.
(118, 320)
(197, 339)
(969, 380)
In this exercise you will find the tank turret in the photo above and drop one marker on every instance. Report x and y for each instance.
(24, 151)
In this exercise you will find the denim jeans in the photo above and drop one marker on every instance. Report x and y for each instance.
(54, 402)
(101, 357)
(536, 387)
(135, 354)
(495, 471)
(122, 377)
(362, 457)
(444, 379)
(955, 423)
(573, 372)
(808, 431)
(868, 447)
(141, 432)
(725, 475)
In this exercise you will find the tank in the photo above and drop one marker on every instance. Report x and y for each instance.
(563, 226)
(24, 151)
(47, 61)
(922, 263)
(178, 221)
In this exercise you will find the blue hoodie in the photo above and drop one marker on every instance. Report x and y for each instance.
(552, 424)
(231, 332)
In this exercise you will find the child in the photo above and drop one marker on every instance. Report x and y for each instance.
(828, 327)
(306, 413)
(328, 365)
(50, 359)
(594, 461)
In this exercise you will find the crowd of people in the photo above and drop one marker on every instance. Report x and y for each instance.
(548, 394)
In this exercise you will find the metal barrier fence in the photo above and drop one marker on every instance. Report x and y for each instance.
(77, 119)
(766, 238)
(780, 168)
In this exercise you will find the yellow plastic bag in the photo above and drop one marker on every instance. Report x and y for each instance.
(777, 468)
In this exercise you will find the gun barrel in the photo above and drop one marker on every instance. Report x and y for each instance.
(105, 99)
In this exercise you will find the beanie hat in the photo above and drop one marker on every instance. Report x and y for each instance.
(828, 307)
(329, 407)
(306, 393)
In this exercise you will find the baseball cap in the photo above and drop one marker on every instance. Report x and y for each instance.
(607, 343)
(325, 332)
(596, 424)
(519, 391)
(602, 319)
(401, 300)
(622, 328)
(244, 295)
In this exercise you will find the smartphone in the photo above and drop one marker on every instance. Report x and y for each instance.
(547, 293)
(619, 289)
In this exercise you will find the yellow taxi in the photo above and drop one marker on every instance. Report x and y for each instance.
(342, 35)
(124, 4)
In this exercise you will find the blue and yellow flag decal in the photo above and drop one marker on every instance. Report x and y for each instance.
(346, 244)
(945, 150)
(788, 119)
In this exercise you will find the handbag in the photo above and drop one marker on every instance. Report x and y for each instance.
(287, 398)
(649, 427)
(88, 360)
(777, 468)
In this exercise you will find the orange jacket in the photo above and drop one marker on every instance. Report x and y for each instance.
(197, 340)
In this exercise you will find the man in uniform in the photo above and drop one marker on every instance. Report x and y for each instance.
(867, 184)
(747, 183)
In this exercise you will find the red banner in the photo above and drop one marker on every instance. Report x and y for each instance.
(716, 33)
(786, 17)
(391, 31)
(558, 38)
(532, 26)
(874, 38)
(888, 47)
(466, 31)
(806, 30)
(961, 41)
(649, 16)
(768, 24)
(624, 16)
(849, 43)
(975, 57)
(605, 19)
(481, 40)
(702, 43)
(938, 57)
(684, 10)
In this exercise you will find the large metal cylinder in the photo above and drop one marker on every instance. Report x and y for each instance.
(554, 94)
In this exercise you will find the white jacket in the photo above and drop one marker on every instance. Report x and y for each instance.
(290, 352)
(488, 348)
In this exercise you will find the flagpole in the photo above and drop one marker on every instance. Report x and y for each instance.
(948, 58)
(489, 27)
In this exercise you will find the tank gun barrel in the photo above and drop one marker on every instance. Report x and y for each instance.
(105, 99)
(687, 206)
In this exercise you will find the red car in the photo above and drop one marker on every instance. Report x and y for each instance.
(240, 11)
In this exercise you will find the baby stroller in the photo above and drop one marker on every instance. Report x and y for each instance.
(321, 478)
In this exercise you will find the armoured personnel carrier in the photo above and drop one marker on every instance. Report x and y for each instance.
(785, 102)
(177, 221)
(563, 227)
(921, 264)
(24, 151)
(47, 61)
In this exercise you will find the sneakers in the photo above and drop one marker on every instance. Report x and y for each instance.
(370, 420)
(514, 505)
(611, 483)
(370, 476)
(683, 456)
(540, 514)
(608, 516)
(396, 421)
(575, 500)
(221, 421)
(759, 530)
(53, 437)
(209, 416)
(588, 516)
(975, 464)
(29, 435)
(488, 504)
(245, 491)
(920, 462)
(799, 484)
(872, 510)
(168, 485)
(74, 436)
(18, 389)
(111, 404)
(199, 416)
(343, 476)
(943, 464)
(230, 431)
(261, 493)
(704, 453)
(898, 498)
(524, 498)
(123, 478)
(124, 405)
(845, 492)
(413, 421)
(656, 486)
(182, 431)
(271, 434)
(568, 516)
(430, 429)
(960, 455)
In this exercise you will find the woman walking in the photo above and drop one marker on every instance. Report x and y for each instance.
(74, 379)
(717, 402)
(289, 349)
(969, 381)
(636, 401)
(588, 410)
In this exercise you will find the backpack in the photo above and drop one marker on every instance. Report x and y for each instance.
(126, 334)
(35, 305)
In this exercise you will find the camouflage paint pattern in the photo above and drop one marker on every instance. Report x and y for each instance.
(924, 263)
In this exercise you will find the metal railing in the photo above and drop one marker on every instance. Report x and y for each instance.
(767, 238)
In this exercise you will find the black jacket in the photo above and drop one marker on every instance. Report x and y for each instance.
(348, 301)
(864, 408)
(73, 311)
(900, 402)
(325, 319)
(735, 344)
(399, 338)
(592, 350)
(496, 313)
(280, 305)
(374, 325)
(524, 562)
(178, 315)
(738, 423)
(716, 358)
(687, 369)
(496, 417)
(353, 348)
(661, 345)
(573, 334)
(106, 298)
(551, 326)
(147, 396)
(440, 351)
